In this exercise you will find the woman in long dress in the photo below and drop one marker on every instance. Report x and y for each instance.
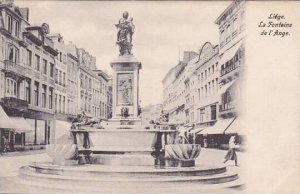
(231, 154)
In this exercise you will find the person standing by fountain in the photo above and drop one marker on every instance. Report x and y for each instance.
(231, 154)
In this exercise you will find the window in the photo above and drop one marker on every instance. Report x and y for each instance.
(213, 86)
(27, 91)
(50, 98)
(9, 23)
(17, 28)
(13, 53)
(202, 77)
(213, 112)
(59, 104)
(63, 104)
(51, 69)
(56, 75)
(37, 62)
(64, 79)
(44, 66)
(81, 81)
(201, 115)
(28, 57)
(213, 69)
(64, 59)
(44, 89)
(205, 74)
(60, 78)
(11, 87)
(36, 94)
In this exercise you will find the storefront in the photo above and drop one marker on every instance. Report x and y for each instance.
(214, 136)
(6, 132)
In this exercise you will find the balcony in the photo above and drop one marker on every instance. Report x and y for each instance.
(230, 68)
(13, 69)
(227, 108)
(15, 103)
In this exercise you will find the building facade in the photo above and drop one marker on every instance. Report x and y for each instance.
(206, 91)
(44, 83)
(232, 57)
(27, 62)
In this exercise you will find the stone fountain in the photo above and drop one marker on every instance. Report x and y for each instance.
(125, 155)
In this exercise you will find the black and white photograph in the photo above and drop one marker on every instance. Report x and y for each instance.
(149, 96)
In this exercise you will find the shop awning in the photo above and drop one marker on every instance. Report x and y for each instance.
(21, 125)
(235, 127)
(219, 127)
(225, 87)
(229, 54)
(5, 121)
(61, 128)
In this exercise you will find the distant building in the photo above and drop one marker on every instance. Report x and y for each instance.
(87, 63)
(176, 98)
(151, 112)
(72, 81)
(102, 102)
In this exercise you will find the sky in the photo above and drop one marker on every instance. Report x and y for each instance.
(163, 30)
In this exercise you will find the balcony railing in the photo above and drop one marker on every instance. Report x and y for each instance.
(14, 68)
(227, 106)
(230, 68)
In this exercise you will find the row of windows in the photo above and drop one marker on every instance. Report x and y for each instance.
(60, 77)
(205, 74)
(37, 63)
(209, 89)
(46, 91)
(60, 103)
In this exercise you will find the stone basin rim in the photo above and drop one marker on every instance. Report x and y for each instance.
(131, 169)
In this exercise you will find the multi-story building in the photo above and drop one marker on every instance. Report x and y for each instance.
(102, 101)
(87, 64)
(232, 60)
(60, 76)
(27, 75)
(176, 103)
(206, 87)
(72, 81)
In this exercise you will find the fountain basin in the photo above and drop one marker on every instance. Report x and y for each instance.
(183, 155)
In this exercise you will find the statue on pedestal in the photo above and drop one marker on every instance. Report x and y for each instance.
(125, 32)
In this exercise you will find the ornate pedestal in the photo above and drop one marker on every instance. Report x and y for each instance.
(125, 85)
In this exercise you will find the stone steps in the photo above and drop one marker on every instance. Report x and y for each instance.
(106, 178)
(128, 172)
(61, 186)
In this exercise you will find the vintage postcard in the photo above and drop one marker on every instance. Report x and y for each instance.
(149, 96)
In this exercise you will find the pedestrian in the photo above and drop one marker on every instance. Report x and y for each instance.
(231, 154)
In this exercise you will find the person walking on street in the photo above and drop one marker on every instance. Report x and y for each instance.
(231, 154)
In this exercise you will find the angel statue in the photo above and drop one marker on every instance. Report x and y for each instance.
(125, 32)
